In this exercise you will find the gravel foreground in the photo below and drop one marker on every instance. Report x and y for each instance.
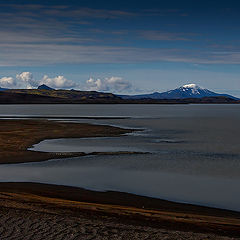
(29, 225)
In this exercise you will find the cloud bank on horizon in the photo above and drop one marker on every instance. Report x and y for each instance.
(27, 80)
(153, 44)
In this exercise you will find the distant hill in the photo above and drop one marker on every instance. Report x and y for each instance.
(56, 96)
(8, 97)
(186, 91)
(52, 96)
(44, 87)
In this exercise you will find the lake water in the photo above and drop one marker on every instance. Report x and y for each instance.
(193, 152)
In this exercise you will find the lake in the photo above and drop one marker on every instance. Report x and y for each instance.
(193, 152)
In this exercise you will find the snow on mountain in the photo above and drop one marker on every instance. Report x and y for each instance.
(191, 85)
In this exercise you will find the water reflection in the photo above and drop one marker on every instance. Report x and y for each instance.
(93, 173)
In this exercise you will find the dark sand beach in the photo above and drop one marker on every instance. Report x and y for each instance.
(41, 211)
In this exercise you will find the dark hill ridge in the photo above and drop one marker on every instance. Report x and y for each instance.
(44, 94)
(7, 97)
(66, 94)
(55, 96)
(36, 96)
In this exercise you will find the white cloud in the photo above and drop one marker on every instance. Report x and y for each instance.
(118, 84)
(115, 84)
(27, 78)
(7, 82)
(94, 85)
(57, 82)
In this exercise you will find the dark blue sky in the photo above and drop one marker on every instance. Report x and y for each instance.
(120, 46)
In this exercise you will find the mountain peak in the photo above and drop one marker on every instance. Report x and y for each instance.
(44, 87)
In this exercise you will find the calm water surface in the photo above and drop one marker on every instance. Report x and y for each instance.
(194, 152)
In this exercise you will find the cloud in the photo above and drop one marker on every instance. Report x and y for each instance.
(163, 36)
(27, 80)
(7, 82)
(115, 84)
(44, 54)
(89, 13)
(27, 77)
(55, 20)
(58, 82)
(94, 85)
(43, 34)
(76, 12)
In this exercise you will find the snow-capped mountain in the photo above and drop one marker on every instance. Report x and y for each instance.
(186, 91)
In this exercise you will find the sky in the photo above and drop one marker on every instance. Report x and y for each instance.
(120, 46)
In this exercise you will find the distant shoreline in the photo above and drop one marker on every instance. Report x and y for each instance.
(126, 102)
